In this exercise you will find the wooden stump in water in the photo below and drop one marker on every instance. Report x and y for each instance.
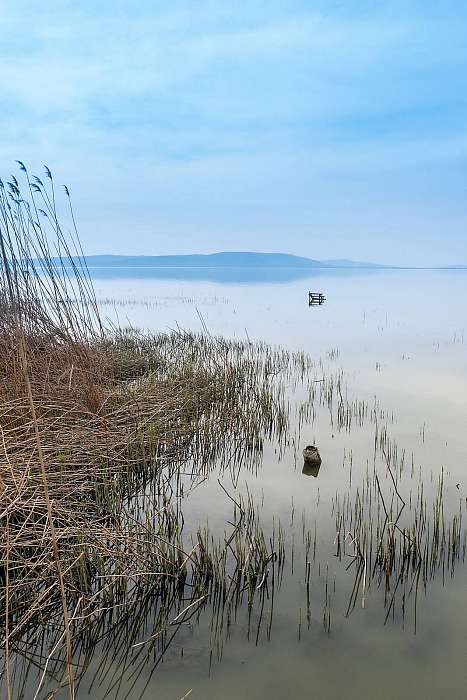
(311, 457)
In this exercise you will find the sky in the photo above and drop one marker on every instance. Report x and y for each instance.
(324, 129)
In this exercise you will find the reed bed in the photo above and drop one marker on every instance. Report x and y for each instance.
(90, 418)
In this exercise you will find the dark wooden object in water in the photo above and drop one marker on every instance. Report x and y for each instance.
(311, 456)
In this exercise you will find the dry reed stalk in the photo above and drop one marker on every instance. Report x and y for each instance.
(51, 524)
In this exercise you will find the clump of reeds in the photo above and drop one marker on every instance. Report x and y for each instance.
(87, 419)
(401, 545)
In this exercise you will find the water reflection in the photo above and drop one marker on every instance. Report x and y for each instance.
(311, 469)
(227, 275)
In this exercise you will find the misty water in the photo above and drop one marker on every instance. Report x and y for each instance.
(397, 340)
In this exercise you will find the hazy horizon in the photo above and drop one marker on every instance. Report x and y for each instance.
(329, 261)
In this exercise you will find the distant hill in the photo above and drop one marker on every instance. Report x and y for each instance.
(222, 260)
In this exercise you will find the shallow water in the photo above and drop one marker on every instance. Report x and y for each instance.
(398, 337)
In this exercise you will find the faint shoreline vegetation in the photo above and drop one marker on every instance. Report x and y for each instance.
(155, 302)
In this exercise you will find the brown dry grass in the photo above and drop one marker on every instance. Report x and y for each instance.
(88, 419)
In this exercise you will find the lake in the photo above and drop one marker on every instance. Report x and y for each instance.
(340, 619)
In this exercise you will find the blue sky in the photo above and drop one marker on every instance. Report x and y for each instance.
(326, 129)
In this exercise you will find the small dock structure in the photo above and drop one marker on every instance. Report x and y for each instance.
(316, 298)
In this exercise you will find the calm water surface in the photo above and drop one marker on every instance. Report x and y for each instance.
(398, 337)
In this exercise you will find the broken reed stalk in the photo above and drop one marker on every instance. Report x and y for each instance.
(7, 610)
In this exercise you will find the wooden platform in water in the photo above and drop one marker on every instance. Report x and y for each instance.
(316, 298)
